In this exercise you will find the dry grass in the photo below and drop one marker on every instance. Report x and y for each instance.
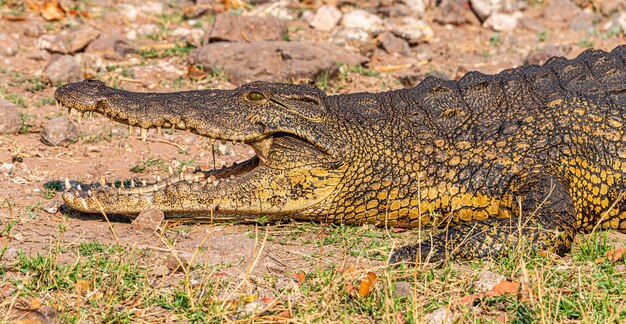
(91, 282)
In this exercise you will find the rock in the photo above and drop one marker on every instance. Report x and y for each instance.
(160, 271)
(560, 10)
(194, 36)
(52, 207)
(33, 29)
(423, 52)
(417, 6)
(484, 8)
(541, 55)
(609, 7)
(232, 28)
(584, 21)
(38, 55)
(502, 22)
(59, 131)
(273, 60)
(147, 30)
(486, 280)
(8, 45)
(7, 168)
(132, 11)
(361, 19)
(454, 12)
(326, 18)
(402, 289)
(10, 123)
(63, 69)
(68, 41)
(414, 30)
(225, 149)
(110, 47)
(394, 45)
(440, 316)
(357, 38)
(148, 220)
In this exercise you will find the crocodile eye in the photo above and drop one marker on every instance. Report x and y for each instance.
(255, 96)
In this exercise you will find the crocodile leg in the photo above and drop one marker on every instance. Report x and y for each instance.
(545, 222)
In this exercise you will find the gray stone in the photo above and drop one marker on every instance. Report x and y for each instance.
(560, 10)
(7, 168)
(486, 280)
(417, 6)
(148, 220)
(39, 55)
(286, 283)
(10, 122)
(454, 12)
(326, 18)
(357, 38)
(423, 52)
(232, 28)
(402, 289)
(59, 131)
(609, 7)
(63, 69)
(33, 29)
(273, 60)
(540, 56)
(361, 19)
(414, 30)
(394, 45)
(68, 41)
(484, 8)
(194, 36)
(502, 22)
(110, 47)
(147, 29)
(52, 207)
(252, 308)
(8, 45)
(440, 316)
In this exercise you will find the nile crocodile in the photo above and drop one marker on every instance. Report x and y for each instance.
(530, 155)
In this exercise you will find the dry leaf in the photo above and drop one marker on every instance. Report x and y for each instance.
(82, 286)
(299, 277)
(195, 73)
(506, 288)
(35, 303)
(367, 284)
(52, 10)
(612, 255)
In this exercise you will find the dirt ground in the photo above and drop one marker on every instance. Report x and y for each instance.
(39, 222)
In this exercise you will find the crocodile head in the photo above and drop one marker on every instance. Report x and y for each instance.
(297, 166)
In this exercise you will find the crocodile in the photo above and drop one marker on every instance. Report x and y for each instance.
(524, 159)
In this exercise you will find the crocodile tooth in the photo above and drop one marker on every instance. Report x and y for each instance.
(212, 178)
(140, 190)
(183, 169)
(144, 183)
(119, 191)
(181, 125)
(89, 193)
(130, 130)
(80, 117)
(79, 188)
(170, 170)
(158, 129)
(158, 179)
(232, 177)
(84, 203)
(144, 134)
(68, 185)
(216, 182)
(69, 110)
(196, 179)
(156, 188)
(103, 181)
(132, 183)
